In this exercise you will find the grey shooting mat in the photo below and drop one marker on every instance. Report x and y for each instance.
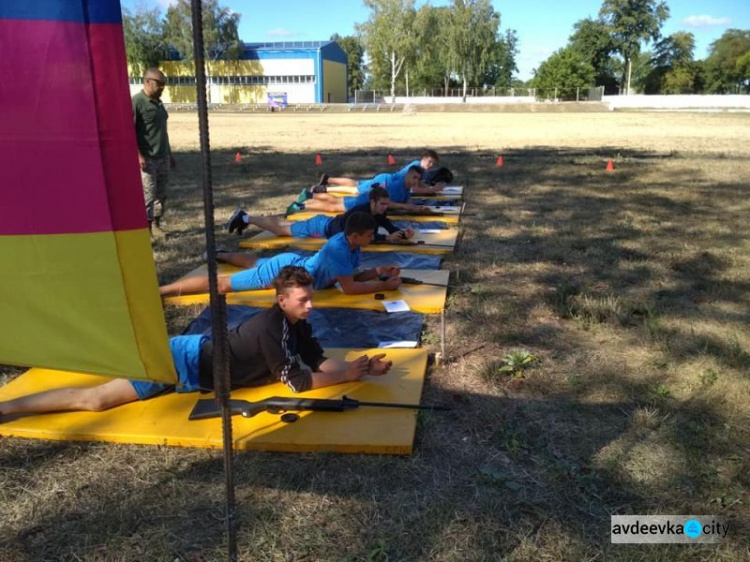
(333, 327)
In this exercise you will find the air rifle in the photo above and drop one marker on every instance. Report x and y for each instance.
(405, 213)
(208, 408)
(403, 242)
(415, 281)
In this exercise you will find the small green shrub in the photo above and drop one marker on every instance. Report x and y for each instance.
(515, 363)
(708, 377)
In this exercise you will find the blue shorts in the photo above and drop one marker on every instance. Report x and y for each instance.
(264, 272)
(311, 228)
(186, 353)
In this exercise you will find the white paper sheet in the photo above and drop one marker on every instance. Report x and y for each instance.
(401, 344)
(396, 306)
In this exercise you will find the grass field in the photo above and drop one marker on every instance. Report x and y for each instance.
(629, 289)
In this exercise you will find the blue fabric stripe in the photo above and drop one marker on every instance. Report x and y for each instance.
(80, 11)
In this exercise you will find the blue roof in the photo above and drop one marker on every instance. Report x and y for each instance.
(330, 50)
(276, 45)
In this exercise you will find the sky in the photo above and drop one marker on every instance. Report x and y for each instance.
(543, 26)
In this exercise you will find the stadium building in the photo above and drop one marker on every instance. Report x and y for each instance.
(293, 72)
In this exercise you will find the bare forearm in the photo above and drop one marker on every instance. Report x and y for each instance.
(331, 372)
(365, 287)
(366, 275)
(423, 190)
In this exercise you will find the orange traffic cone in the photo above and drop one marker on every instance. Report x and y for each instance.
(610, 166)
(318, 160)
(238, 157)
(391, 160)
(499, 162)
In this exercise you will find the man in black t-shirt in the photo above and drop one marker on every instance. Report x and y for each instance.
(275, 345)
(323, 226)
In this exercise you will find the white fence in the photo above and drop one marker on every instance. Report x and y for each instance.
(489, 96)
(469, 100)
(705, 102)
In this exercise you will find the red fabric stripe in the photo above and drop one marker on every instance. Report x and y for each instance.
(116, 129)
(67, 143)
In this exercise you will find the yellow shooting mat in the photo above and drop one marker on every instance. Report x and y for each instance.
(163, 420)
(451, 215)
(426, 299)
(433, 242)
(449, 192)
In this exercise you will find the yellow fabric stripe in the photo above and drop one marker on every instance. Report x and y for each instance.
(146, 312)
(64, 305)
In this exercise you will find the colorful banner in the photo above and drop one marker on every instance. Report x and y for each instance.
(277, 99)
(78, 288)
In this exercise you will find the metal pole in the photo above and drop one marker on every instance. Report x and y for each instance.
(218, 302)
(442, 334)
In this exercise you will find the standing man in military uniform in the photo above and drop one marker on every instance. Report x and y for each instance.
(154, 154)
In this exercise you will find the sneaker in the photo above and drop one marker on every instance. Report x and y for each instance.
(295, 208)
(238, 221)
(304, 195)
(323, 180)
(319, 189)
(204, 255)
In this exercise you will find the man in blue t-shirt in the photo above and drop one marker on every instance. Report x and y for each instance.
(323, 226)
(353, 187)
(398, 187)
(336, 261)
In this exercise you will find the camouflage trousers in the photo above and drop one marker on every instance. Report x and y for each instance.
(155, 178)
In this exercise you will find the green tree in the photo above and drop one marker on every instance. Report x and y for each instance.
(502, 63)
(144, 41)
(679, 80)
(723, 73)
(389, 37)
(355, 66)
(426, 67)
(640, 67)
(221, 39)
(594, 41)
(675, 50)
(443, 52)
(672, 68)
(633, 22)
(472, 38)
(743, 68)
(565, 70)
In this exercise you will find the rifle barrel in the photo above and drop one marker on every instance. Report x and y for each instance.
(408, 406)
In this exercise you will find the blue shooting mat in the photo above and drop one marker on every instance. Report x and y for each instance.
(334, 327)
